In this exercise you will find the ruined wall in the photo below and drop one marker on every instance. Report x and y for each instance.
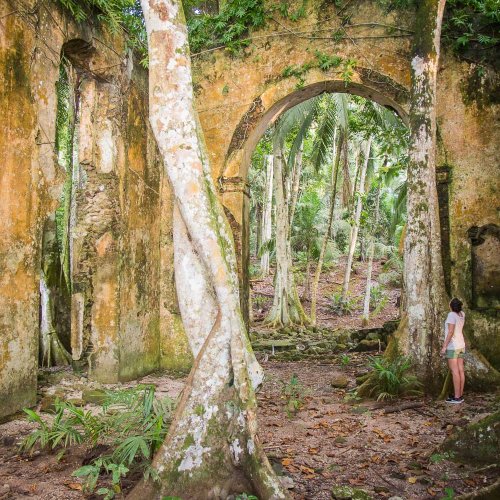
(469, 125)
(239, 97)
(120, 220)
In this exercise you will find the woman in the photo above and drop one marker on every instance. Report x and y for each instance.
(454, 348)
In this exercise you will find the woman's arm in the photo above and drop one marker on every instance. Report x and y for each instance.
(447, 340)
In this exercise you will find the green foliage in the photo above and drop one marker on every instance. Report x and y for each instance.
(391, 378)
(293, 392)
(449, 494)
(344, 359)
(246, 496)
(437, 458)
(471, 27)
(116, 14)
(133, 422)
(227, 28)
(342, 306)
(326, 62)
(377, 296)
(299, 13)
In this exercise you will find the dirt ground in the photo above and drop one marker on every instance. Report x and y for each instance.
(330, 441)
(262, 292)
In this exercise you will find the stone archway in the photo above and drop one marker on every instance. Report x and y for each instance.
(234, 188)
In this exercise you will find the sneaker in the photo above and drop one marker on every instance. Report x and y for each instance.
(454, 400)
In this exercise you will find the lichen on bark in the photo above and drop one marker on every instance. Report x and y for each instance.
(223, 455)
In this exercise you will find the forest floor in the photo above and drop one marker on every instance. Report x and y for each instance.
(331, 280)
(330, 440)
(319, 438)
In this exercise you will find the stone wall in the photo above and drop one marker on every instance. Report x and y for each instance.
(239, 97)
(123, 307)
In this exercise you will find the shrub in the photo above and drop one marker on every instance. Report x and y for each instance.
(390, 378)
(131, 422)
(342, 306)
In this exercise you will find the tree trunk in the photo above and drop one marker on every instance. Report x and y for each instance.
(286, 308)
(297, 173)
(371, 251)
(258, 228)
(306, 293)
(267, 216)
(426, 303)
(328, 229)
(357, 217)
(212, 449)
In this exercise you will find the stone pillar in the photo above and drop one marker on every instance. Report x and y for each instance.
(235, 196)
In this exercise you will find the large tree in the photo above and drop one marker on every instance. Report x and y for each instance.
(212, 449)
(424, 280)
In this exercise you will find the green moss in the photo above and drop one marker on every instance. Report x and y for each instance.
(176, 356)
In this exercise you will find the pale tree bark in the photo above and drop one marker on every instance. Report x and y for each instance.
(425, 293)
(328, 229)
(286, 308)
(267, 215)
(212, 449)
(297, 173)
(357, 217)
(371, 252)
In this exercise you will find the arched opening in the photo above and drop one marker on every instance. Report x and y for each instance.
(336, 165)
(250, 131)
(64, 309)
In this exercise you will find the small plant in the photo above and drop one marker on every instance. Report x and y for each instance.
(449, 494)
(343, 306)
(390, 378)
(293, 392)
(437, 458)
(246, 496)
(132, 422)
(326, 62)
(344, 359)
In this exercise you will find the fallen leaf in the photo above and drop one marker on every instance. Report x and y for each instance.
(74, 486)
(286, 461)
(412, 480)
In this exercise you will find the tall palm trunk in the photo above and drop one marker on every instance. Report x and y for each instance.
(335, 174)
(267, 216)
(357, 217)
(286, 308)
(371, 252)
(212, 449)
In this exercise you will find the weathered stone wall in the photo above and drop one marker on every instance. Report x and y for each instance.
(469, 125)
(122, 212)
(239, 97)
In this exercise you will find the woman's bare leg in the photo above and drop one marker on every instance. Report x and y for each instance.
(462, 375)
(455, 373)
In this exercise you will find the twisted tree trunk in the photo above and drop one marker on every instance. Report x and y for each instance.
(212, 449)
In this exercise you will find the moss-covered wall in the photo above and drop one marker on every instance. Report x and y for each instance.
(469, 125)
(121, 272)
(238, 97)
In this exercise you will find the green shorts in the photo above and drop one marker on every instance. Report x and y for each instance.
(455, 353)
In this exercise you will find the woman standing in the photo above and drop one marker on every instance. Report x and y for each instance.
(454, 348)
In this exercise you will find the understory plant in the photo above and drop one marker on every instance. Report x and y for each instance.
(293, 392)
(130, 425)
(343, 306)
(391, 378)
